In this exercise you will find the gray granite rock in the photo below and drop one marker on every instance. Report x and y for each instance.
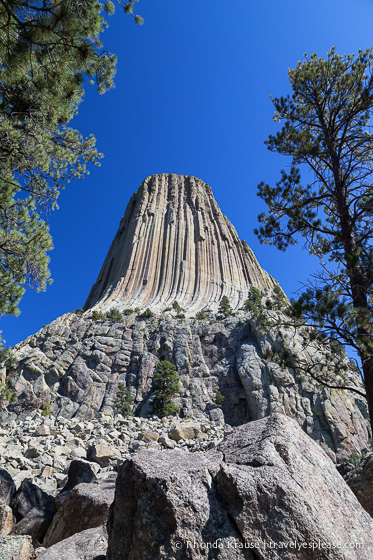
(33, 509)
(16, 548)
(174, 244)
(228, 356)
(79, 471)
(267, 491)
(35, 524)
(185, 431)
(7, 487)
(30, 497)
(86, 506)
(90, 544)
(102, 453)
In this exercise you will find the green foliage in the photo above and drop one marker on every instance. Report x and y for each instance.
(201, 315)
(148, 314)
(114, 314)
(46, 410)
(124, 401)
(6, 395)
(79, 311)
(274, 301)
(177, 307)
(254, 301)
(356, 458)
(166, 386)
(327, 129)
(278, 300)
(24, 242)
(48, 52)
(219, 398)
(179, 310)
(128, 312)
(98, 316)
(225, 307)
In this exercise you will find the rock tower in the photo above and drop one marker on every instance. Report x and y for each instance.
(175, 244)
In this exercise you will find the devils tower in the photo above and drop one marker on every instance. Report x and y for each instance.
(175, 244)
(85, 405)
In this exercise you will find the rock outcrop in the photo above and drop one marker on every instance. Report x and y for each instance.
(76, 364)
(33, 509)
(267, 491)
(174, 243)
(53, 461)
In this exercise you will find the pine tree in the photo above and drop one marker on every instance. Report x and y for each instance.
(327, 129)
(201, 315)
(47, 50)
(225, 307)
(114, 314)
(124, 401)
(166, 386)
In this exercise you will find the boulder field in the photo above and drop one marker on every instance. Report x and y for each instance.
(266, 491)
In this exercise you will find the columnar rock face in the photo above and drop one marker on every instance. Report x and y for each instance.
(175, 244)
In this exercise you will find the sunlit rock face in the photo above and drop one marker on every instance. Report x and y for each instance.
(175, 244)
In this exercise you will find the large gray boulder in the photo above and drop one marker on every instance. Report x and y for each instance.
(85, 507)
(33, 509)
(228, 355)
(7, 487)
(268, 491)
(80, 471)
(87, 545)
(29, 497)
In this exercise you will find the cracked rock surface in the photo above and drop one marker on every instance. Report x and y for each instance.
(76, 365)
(265, 484)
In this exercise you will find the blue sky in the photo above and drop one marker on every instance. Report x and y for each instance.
(192, 97)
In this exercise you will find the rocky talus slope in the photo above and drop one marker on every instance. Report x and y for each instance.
(75, 364)
(41, 448)
(267, 491)
(174, 243)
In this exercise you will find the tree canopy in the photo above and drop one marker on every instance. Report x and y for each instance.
(327, 130)
(166, 386)
(49, 51)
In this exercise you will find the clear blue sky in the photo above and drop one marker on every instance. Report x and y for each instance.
(192, 97)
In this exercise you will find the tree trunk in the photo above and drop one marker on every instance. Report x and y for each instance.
(367, 365)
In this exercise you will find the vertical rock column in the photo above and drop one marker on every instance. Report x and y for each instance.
(174, 243)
